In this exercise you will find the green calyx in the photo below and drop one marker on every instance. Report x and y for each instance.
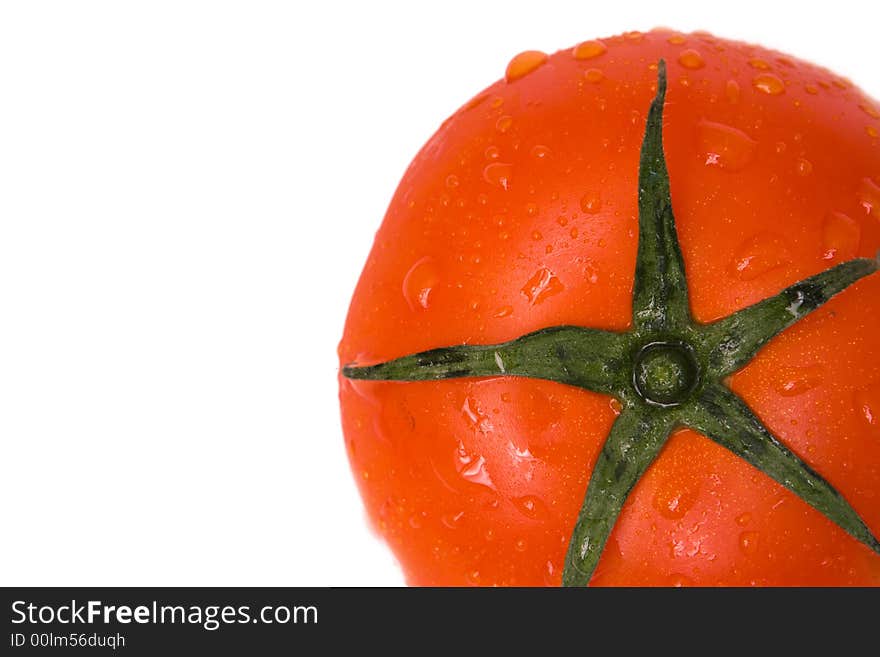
(668, 371)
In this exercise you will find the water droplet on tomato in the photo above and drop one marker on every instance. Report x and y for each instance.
(743, 519)
(759, 64)
(492, 153)
(724, 146)
(589, 49)
(841, 236)
(531, 507)
(419, 282)
(803, 167)
(674, 499)
(692, 59)
(498, 174)
(871, 131)
(573, 232)
(539, 151)
(452, 520)
(769, 84)
(593, 75)
(542, 285)
(472, 467)
(798, 380)
(478, 420)
(415, 520)
(867, 403)
(591, 202)
(523, 64)
(731, 91)
(476, 101)
(520, 545)
(521, 453)
(676, 39)
(758, 255)
(616, 405)
(503, 123)
(452, 181)
(748, 543)
(678, 580)
(869, 197)
(536, 235)
(870, 110)
(504, 311)
(474, 577)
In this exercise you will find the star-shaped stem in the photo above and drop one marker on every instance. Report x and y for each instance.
(668, 371)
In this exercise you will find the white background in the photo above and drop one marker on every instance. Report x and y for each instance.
(188, 191)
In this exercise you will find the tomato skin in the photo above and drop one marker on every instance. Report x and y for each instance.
(520, 213)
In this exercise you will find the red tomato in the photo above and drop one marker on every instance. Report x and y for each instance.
(521, 213)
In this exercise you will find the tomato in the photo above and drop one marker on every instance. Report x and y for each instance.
(522, 213)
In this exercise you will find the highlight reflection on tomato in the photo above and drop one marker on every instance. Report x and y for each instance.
(523, 213)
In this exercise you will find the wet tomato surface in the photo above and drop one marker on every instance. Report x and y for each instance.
(521, 213)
